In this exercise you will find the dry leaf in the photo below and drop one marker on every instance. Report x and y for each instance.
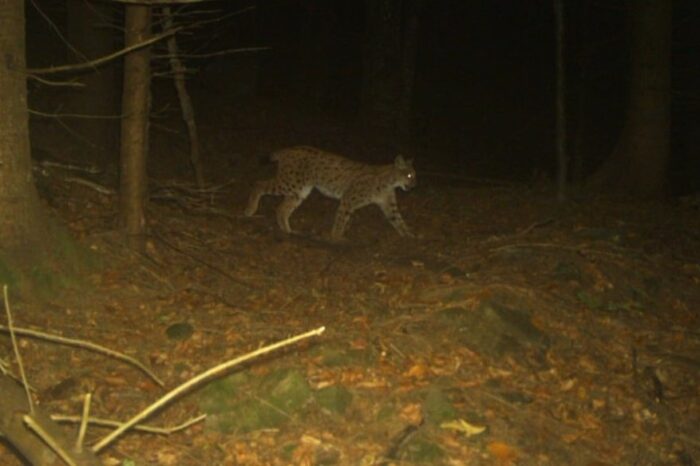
(412, 414)
(417, 371)
(502, 452)
(460, 425)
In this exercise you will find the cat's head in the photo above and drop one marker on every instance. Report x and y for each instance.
(405, 171)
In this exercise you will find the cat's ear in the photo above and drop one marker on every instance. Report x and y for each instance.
(400, 162)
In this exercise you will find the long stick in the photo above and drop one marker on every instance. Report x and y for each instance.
(177, 391)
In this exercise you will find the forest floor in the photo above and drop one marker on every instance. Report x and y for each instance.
(568, 333)
(515, 330)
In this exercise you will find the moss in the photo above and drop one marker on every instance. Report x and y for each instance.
(438, 407)
(7, 275)
(57, 262)
(334, 399)
(234, 404)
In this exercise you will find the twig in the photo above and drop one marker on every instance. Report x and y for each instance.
(205, 263)
(140, 427)
(56, 30)
(15, 348)
(48, 439)
(186, 107)
(74, 115)
(85, 345)
(219, 53)
(107, 58)
(533, 226)
(50, 82)
(83, 422)
(92, 185)
(196, 381)
(70, 167)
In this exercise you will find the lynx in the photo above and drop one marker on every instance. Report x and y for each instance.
(301, 169)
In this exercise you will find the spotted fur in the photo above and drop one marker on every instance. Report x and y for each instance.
(301, 169)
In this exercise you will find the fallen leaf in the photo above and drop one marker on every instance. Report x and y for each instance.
(502, 452)
(460, 425)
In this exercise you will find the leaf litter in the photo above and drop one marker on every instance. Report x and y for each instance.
(485, 342)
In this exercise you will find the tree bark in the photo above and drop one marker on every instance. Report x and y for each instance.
(21, 222)
(134, 139)
(639, 162)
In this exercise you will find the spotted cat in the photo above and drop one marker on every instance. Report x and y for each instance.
(301, 169)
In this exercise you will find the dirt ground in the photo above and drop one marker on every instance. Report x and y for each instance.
(569, 333)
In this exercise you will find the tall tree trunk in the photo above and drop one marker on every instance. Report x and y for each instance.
(92, 36)
(638, 163)
(21, 221)
(134, 141)
(389, 65)
(560, 99)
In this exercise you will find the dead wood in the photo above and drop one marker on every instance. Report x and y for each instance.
(13, 407)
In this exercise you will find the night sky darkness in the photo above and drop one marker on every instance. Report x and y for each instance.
(484, 90)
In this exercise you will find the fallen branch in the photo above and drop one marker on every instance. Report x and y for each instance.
(209, 374)
(96, 421)
(25, 427)
(13, 408)
(85, 345)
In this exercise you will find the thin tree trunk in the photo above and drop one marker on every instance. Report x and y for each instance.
(381, 88)
(134, 139)
(410, 52)
(581, 115)
(562, 156)
(185, 102)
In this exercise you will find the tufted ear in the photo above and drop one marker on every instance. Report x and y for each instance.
(400, 162)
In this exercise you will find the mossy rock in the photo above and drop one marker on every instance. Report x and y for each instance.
(437, 407)
(334, 399)
(286, 389)
(222, 395)
(246, 417)
(179, 331)
(239, 404)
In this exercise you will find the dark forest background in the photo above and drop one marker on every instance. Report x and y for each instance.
(483, 98)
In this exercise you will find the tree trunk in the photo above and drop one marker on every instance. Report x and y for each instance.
(178, 68)
(21, 221)
(389, 66)
(134, 141)
(638, 163)
(560, 102)
(90, 34)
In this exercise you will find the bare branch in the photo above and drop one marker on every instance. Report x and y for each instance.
(219, 53)
(206, 375)
(106, 58)
(85, 345)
